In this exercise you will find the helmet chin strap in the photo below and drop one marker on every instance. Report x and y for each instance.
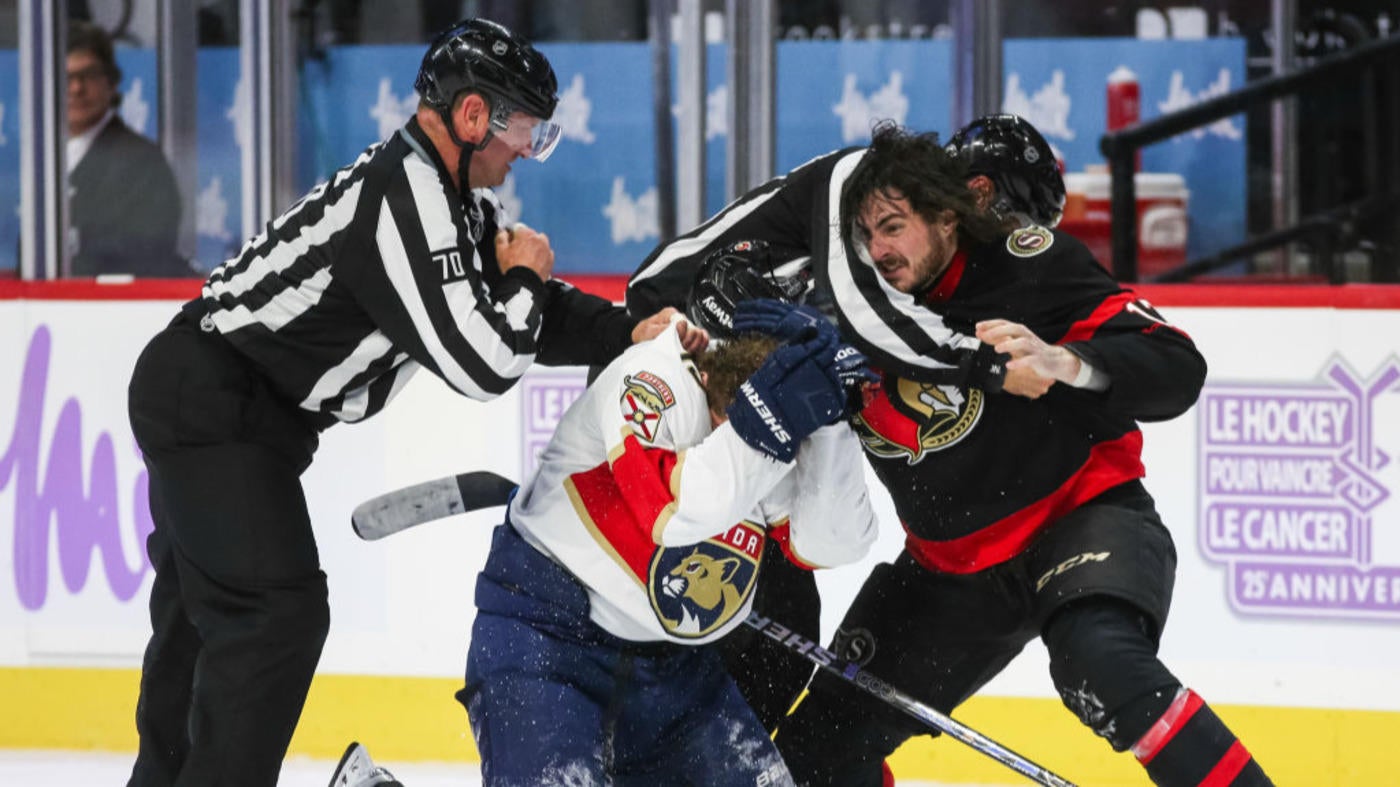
(465, 150)
(1005, 211)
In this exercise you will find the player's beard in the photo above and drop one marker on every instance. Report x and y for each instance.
(924, 272)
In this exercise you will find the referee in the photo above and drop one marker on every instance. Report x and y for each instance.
(401, 261)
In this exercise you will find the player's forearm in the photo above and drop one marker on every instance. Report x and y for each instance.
(833, 521)
(721, 482)
(1152, 378)
(582, 329)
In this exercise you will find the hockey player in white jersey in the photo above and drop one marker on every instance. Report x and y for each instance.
(638, 541)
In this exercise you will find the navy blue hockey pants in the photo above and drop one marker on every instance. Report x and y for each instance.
(554, 699)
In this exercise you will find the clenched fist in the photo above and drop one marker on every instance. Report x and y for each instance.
(522, 247)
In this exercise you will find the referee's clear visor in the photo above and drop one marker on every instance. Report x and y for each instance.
(527, 134)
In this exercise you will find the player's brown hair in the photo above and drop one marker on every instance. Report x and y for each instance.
(916, 167)
(728, 364)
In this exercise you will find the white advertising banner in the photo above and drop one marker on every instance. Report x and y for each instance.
(1280, 487)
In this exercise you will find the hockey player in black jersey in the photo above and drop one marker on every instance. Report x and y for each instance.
(1016, 371)
(402, 261)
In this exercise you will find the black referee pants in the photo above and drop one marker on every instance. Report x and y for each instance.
(238, 607)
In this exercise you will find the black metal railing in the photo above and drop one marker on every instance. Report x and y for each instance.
(1375, 62)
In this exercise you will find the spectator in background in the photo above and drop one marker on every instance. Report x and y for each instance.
(124, 213)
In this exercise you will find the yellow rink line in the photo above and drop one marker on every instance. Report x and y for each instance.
(417, 719)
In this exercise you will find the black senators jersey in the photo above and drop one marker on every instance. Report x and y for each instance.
(974, 472)
(975, 475)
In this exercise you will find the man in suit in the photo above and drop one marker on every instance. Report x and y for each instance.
(124, 208)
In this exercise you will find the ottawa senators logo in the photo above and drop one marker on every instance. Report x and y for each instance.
(1029, 241)
(644, 399)
(910, 419)
(696, 589)
(856, 645)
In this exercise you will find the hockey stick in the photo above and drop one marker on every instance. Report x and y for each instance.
(431, 500)
(852, 673)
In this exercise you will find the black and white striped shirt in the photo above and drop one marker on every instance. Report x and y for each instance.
(801, 212)
(380, 271)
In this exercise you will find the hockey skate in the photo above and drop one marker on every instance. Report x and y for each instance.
(356, 769)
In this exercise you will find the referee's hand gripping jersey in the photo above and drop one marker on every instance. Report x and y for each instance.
(403, 259)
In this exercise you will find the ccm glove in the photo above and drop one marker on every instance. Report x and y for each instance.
(795, 391)
(850, 367)
(787, 321)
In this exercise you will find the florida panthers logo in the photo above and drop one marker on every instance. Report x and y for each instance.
(644, 400)
(697, 589)
(910, 419)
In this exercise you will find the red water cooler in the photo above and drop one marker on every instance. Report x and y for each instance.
(1162, 197)
(1124, 104)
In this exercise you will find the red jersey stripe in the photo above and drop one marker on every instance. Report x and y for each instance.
(1225, 771)
(599, 505)
(1109, 464)
(649, 476)
(782, 533)
(1081, 330)
(627, 524)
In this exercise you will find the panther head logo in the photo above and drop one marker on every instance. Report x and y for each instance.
(697, 589)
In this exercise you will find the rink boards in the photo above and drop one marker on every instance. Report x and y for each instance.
(1279, 488)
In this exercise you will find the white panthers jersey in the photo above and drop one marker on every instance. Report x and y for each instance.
(662, 517)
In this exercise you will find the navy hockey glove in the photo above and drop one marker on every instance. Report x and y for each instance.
(787, 321)
(850, 367)
(795, 391)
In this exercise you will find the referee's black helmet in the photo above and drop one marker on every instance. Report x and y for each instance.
(483, 56)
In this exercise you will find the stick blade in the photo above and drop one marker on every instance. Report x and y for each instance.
(429, 501)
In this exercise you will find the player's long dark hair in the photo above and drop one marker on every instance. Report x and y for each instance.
(902, 163)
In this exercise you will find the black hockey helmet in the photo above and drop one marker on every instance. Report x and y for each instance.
(1019, 161)
(485, 57)
(742, 271)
